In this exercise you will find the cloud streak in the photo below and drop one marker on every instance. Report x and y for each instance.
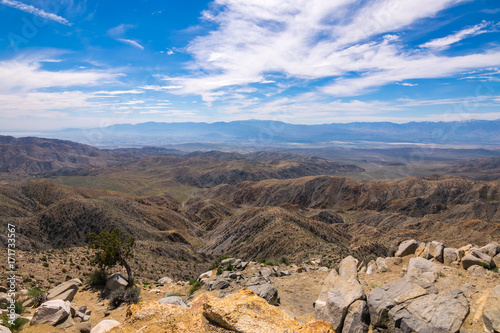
(131, 42)
(446, 42)
(35, 11)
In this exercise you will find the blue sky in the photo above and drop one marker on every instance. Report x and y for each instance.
(74, 63)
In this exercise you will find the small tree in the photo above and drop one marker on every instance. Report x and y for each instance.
(113, 248)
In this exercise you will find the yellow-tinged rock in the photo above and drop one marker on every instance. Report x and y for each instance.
(246, 312)
(243, 312)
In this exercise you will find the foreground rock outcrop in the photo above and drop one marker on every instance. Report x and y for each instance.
(242, 312)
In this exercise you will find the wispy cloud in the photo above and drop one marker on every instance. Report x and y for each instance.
(446, 42)
(35, 11)
(306, 41)
(131, 42)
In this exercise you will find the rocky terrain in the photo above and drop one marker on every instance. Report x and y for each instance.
(425, 287)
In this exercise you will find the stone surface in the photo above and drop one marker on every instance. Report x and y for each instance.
(420, 251)
(444, 312)
(450, 255)
(491, 310)
(4, 329)
(165, 280)
(234, 313)
(84, 327)
(435, 250)
(491, 249)
(218, 283)
(357, 319)
(338, 293)
(206, 275)
(51, 312)
(477, 257)
(174, 300)
(66, 291)
(476, 270)
(268, 292)
(105, 326)
(406, 248)
(382, 299)
(381, 265)
(372, 267)
(116, 281)
(242, 312)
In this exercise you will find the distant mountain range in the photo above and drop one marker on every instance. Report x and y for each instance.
(260, 132)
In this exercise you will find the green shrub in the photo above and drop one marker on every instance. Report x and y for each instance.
(37, 296)
(284, 260)
(266, 262)
(193, 281)
(485, 265)
(229, 267)
(219, 271)
(97, 278)
(18, 323)
(122, 295)
(196, 286)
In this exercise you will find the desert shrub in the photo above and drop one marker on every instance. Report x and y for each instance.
(193, 281)
(18, 323)
(172, 294)
(122, 295)
(97, 278)
(267, 262)
(219, 271)
(37, 296)
(229, 267)
(196, 286)
(284, 260)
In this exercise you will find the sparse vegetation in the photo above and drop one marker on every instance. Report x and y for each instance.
(37, 296)
(267, 262)
(113, 248)
(97, 278)
(122, 295)
(196, 286)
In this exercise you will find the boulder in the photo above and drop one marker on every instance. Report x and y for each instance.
(381, 265)
(256, 280)
(420, 251)
(372, 267)
(268, 292)
(406, 248)
(285, 273)
(435, 250)
(496, 260)
(422, 264)
(4, 298)
(206, 275)
(444, 312)
(267, 272)
(116, 281)
(227, 261)
(4, 329)
(66, 291)
(338, 293)
(174, 300)
(229, 275)
(105, 326)
(163, 280)
(476, 270)
(420, 269)
(218, 283)
(491, 310)
(477, 257)
(84, 327)
(323, 269)
(235, 313)
(450, 255)
(383, 299)
(52, 312)
(491, 249)
(357, 319)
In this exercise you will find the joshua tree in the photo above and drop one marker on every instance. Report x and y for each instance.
(113, 248)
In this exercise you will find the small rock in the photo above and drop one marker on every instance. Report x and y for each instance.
(116, 281)
(227, 261)
(105, 326)
(174, 300)
(165, 280)
(84, 327)
(268, 292)
(206, 275)
(406, 248)
(217, 283)
(381, 265)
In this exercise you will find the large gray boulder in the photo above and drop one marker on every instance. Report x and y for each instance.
(257, 280)
(438, 313)
(66, 291)
(105, 326)
(450, 255)
(267, 291)
(4, 329)
(477, 257)
(420, 269)
(383, 299)
(357, 319)
(52, 312)
(174, 300)
(218, 283)
(338, 293)
(116, 281)
(407, 248)
(435, 250)
(491, 249)
(491, 310)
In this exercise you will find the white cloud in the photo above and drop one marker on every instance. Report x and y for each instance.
(22, 74)
(159, 88)
(304, 40)
(406, 84)
(445, 42)
(131, 42)
(35, 11)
